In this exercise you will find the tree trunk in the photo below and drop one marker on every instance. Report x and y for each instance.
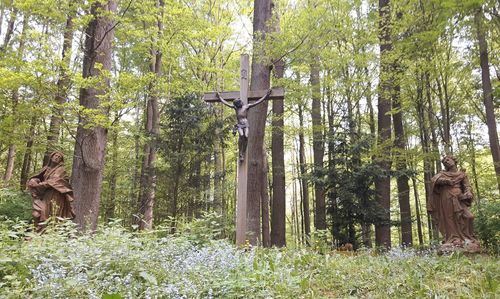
(278, 225)
(426, 147)
(10, 29)
(417, 209)
(318, 149)
(27, 154)
(90, 145)
(219, 175)
(366, 226)
(434, 154)
(11, 156)
(111, 204)
(266, 237)
(302, 176)
(260, 80)
(488, 94)
(152, 128)
(63, 83)
(383, 181)
(402, 177)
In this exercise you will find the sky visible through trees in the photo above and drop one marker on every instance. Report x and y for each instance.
(376, 93)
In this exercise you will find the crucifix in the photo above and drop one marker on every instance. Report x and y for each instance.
(241, 105)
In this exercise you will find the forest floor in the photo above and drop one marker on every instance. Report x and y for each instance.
(115, 263)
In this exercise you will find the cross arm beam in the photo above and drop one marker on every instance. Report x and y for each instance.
(253, 95)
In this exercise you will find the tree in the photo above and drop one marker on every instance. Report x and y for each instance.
(383, 181)
(63, 83)
(278, 211)
(91, 135)
(152, 126)
(488, 93)
(260, 80)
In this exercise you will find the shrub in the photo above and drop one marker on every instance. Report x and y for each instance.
(487, 225)
(15, 204)
(115, 263)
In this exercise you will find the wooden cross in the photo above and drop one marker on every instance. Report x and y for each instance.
(244, 95)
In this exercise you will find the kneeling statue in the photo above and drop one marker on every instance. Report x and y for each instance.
(51, 192)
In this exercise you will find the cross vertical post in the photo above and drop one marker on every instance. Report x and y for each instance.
(245, 95)
(241, 195)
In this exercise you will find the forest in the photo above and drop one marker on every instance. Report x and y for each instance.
(339, 171)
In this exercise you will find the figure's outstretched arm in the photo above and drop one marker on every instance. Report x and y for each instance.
(224, 101)
(261, 99)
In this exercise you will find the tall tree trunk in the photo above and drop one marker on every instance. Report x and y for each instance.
(2, 14)
(488, 94)
(152, 128)
(278, 225)
(417, 209)
(219, 175)
(10, 30)
(27, 154)
(318, 149)
(383, 181)
(266, 236)
(402, 177)
(426, 146)
(366, 226)
(63, 83)
(434, 154)
(260, 80)
(11, 156)
(111, 204)
(90, 145)
(303, 180)
(471, 148)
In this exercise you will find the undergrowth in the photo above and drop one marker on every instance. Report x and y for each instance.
(116, 263)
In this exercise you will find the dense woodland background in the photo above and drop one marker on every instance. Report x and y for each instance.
(376, 94)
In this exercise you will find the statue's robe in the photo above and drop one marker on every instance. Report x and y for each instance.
(449, 207)
(53, 196)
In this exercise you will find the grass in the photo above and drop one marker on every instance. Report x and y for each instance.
(115, 263)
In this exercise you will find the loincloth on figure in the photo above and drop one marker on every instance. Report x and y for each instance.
(239, 126)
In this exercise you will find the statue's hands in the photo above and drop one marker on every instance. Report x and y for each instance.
(466, 196)
(449, 182)
(32, 183)
(41, 186)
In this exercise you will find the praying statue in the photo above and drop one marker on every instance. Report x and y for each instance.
(51, 192)
(450, 207)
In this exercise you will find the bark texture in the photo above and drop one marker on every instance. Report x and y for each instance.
(278, 212)
(90, 145)
(63, 83)
(488, 94)
(152, 129)
(383, 182)
(257, 119)
(318, 149)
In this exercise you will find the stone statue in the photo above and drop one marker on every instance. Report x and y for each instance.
(242, 126)
(450, 207)
(51, 192)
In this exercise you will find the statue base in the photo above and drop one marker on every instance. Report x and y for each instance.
(468, 246)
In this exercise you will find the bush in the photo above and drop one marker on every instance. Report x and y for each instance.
(487, 225)
(115, 263)
(15, 204)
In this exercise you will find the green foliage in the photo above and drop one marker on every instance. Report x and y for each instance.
(487, 225)
(201, 231)
(15, 205)
(114, 263)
